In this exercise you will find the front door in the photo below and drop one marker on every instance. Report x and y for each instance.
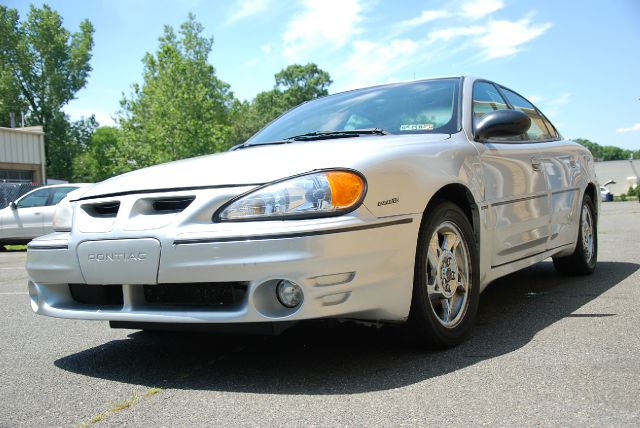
(516, 186)
(561, 167)
(26, 221)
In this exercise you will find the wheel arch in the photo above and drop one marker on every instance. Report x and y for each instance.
(593, 192)
(461, 196)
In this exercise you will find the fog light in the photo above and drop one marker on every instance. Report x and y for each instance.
(289, 293)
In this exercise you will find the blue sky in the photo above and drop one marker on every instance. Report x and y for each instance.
(576, 60)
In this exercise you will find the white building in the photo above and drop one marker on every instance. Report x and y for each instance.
(22, 156)
(623, 172)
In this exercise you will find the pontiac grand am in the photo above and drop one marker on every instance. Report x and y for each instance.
(390, 204)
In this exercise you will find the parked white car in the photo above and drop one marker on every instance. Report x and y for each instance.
(391, 204)
(32, 214)
(604, 194)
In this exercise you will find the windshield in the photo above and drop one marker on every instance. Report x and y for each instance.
(405, 108)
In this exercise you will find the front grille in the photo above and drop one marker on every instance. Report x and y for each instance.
(105, 209)
(171, 205)
(212, 294)
(109, 295)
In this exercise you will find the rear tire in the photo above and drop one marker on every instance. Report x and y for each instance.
(446, 283)
(584, 258)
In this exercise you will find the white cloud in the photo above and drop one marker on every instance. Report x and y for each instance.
(559, 100)
(425, 16)
(551, 107)
(504, 38)
(391, 57)
(497, 38)
(562, 99)
(323, 24)
(246, 8)
(479, 8)
(535, 99)
(252, 62)
(633, 128)
(266, 49)
(447, 34)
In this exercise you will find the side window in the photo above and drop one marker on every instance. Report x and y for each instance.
(552, 129)
(35, 199)
(59, 193)
(538, 130)
(487, 98)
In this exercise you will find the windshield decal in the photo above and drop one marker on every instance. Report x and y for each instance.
(417, 127)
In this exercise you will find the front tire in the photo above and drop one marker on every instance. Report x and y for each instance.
(584, 258)
(446, 284)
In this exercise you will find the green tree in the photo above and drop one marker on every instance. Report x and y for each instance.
(608, 153)
(300, 83)
(43, 67)
(294, 85)
(181, 109)
(99, 160)
(11, 99)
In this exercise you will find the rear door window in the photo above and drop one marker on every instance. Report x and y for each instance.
(59, 194)
(538, 130)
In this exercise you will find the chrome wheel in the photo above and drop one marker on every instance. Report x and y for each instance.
(448, 274)
(587, 232)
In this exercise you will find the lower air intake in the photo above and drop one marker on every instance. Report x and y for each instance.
(97, 295)
(211, 294)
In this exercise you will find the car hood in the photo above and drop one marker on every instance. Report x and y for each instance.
(259, 164)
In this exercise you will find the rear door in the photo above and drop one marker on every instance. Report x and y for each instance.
(516, 187)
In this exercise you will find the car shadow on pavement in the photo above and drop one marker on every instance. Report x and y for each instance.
(348, 358)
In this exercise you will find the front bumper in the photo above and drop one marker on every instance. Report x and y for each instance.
(348, 267)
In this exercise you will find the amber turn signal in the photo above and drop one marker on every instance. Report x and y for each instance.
(346, 188)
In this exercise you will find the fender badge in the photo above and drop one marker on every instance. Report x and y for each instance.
(389, 202)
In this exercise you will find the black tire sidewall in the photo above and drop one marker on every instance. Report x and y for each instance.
(589, 265)
(422, 319)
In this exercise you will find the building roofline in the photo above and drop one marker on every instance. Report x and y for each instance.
(26, 130)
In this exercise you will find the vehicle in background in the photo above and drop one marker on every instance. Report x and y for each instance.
(31, 215)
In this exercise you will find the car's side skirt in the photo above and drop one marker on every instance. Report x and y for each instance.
(502, 270)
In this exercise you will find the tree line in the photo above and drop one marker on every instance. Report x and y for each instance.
(608, 153)
(181, 109)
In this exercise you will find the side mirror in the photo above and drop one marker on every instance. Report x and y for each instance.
(13, 205)
(502, 123)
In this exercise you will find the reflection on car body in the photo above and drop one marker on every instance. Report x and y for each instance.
(391, 204)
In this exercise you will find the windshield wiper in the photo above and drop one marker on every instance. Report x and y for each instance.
(325, 135)
(316, 135)
(261, 143)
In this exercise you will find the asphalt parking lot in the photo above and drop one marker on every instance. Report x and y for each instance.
(547, 350)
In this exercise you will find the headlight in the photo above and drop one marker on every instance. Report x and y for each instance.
(316, 194)
(62, 216)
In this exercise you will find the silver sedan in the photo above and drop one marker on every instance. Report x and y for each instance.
(391, 204)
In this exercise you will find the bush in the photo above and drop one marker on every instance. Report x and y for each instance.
(623, 197)
(633, 191)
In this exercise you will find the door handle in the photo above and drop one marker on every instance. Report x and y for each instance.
(536, 164)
